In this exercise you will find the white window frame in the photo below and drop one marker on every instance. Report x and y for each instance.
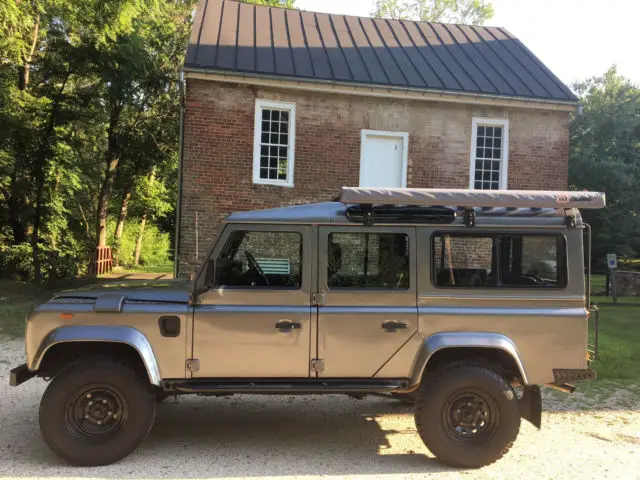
(504, 164)
(257, 133)
(384, 133)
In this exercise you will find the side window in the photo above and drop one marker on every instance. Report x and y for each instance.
(368, 260)
(506, 261)
(260, 259)
(463, 261)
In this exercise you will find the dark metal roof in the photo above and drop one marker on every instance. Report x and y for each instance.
(244, 38)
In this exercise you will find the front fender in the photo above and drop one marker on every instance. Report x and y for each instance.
(443, 340)
(101, 333)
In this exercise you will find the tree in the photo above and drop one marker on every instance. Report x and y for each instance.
(474, 12)
(604, 155)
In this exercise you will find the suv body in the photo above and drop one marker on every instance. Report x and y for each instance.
(464, 311)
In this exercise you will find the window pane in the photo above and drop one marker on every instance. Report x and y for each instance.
(463, 261)
(533, 261)
(284, 116)
(260, 259)
(368, 260)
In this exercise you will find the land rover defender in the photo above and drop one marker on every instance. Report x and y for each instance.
(463, 302)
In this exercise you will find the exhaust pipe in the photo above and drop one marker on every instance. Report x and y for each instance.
(563, 387)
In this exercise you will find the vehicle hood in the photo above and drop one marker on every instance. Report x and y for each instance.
(173, 291)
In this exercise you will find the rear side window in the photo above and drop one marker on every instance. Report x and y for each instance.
(368, 260)
(499, 261)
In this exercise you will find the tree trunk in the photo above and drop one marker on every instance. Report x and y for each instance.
(112, 159)
(25, 69)
(143, 222)
(136, 255)
(40, 178)
(124, 206)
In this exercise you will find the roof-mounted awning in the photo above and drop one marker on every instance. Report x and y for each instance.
(471, 198)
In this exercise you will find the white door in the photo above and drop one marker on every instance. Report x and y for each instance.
(383, 159)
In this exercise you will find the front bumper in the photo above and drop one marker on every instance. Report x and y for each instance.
(20, 375)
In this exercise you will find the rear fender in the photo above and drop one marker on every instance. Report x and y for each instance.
(443, 340)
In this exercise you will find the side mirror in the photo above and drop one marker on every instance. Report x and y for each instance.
(210, 274)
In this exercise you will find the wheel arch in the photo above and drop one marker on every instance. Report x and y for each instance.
(101, 339)
(457, 346)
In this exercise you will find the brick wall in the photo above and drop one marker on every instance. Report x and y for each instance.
(218, 150)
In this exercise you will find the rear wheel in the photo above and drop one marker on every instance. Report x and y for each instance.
(96, 411)
(467, 415)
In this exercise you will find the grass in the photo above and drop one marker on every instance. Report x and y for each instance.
(619, 355)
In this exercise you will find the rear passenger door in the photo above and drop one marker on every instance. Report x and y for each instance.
(367, 303)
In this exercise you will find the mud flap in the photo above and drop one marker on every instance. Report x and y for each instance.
(531, 405)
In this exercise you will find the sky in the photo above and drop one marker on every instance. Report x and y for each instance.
(576, 39)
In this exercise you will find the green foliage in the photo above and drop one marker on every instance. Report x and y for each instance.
(605, 156)
(156, 248)
(474, 12)
(83, 82)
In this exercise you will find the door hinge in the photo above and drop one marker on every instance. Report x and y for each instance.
(318, 299)
(193, 365)
(317, 365)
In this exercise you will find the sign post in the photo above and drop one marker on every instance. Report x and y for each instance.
(612, 263)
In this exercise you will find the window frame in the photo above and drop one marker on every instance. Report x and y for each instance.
(493, 234)
(260, 105)
(504, 163)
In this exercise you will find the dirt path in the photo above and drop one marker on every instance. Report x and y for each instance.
(330, 436)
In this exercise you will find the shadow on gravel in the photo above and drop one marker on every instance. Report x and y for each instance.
(245, 437)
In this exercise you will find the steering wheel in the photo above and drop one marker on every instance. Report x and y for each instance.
(253, 265)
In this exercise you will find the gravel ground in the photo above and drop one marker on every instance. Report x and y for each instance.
(322, 436)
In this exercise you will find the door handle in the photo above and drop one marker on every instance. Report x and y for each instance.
(393, 326)
(287, 326)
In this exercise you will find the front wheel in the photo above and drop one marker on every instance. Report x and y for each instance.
(467, 415)
(96, 411)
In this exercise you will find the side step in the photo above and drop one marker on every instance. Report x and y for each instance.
(284, 386)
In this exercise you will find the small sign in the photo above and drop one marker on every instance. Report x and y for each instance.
(612, 260)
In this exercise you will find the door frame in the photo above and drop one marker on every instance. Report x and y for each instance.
(383, 133)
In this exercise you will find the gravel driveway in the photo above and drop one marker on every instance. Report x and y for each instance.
(307, 437)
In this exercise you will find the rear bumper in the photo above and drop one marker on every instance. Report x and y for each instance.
(566, 375)
(20, 375)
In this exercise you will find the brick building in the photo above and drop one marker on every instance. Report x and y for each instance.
(285, 107)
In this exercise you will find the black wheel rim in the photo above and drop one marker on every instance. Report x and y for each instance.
(96, 412)
(470, 417)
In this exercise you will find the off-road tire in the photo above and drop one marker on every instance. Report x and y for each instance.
(435, 409)
(137, 403)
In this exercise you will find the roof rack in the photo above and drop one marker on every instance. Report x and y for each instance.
(427, 197)
(423, 205)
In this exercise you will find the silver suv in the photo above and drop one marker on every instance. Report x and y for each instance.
(460, 302)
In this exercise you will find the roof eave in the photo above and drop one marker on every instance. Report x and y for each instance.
(373, 90)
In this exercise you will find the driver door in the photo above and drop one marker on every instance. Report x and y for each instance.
(254, 320)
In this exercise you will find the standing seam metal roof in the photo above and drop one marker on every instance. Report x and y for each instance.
(238, 37)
